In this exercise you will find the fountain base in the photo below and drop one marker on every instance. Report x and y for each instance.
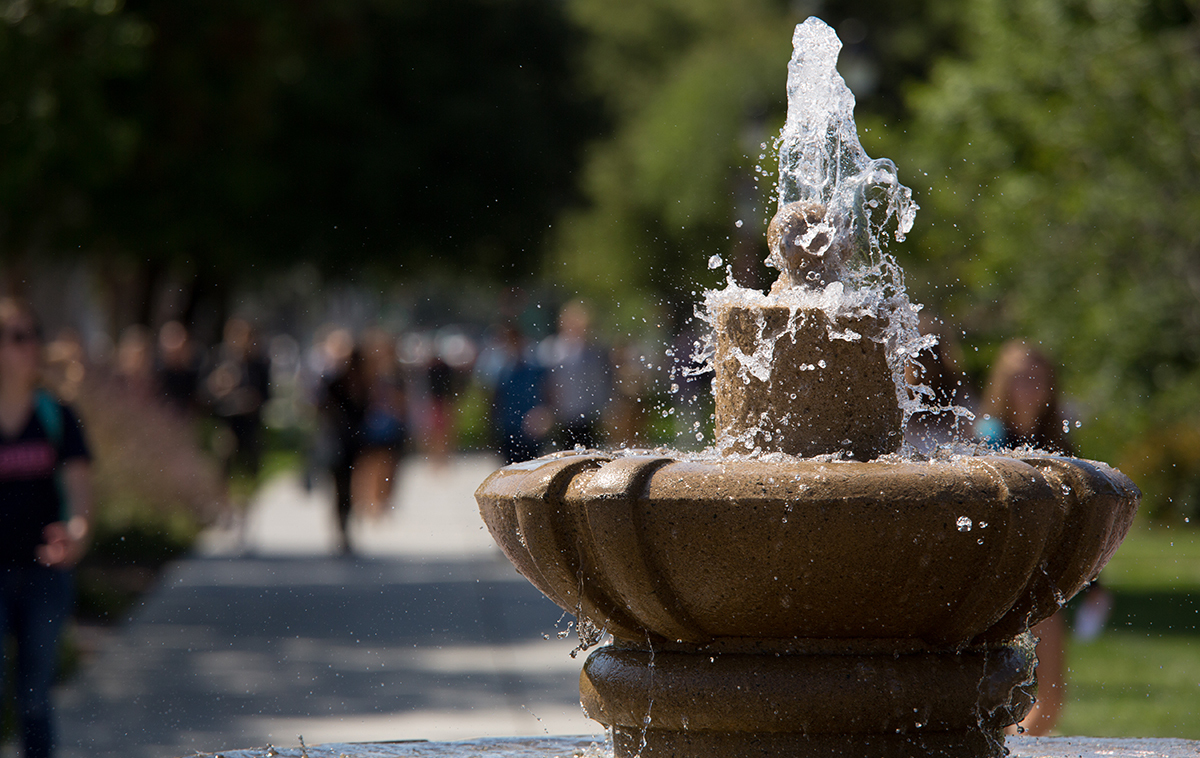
(770, 700)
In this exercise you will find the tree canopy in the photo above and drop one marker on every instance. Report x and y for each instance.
(1062, 152)
(227, 134)
(696, 93)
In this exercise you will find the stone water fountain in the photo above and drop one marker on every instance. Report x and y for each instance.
(807, 588)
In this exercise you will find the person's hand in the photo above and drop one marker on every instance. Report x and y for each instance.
(65, 543)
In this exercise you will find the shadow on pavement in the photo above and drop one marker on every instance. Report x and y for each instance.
(228, 651)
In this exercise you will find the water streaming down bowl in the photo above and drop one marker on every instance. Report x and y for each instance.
(803, 589)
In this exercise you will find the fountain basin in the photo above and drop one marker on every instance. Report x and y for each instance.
(922, 555)
(808, 607)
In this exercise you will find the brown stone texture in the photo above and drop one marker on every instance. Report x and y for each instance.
(935, 553)
(824, 394)
(808, 696)
(808, 608)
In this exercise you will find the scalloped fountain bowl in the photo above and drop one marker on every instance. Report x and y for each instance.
(808, 608)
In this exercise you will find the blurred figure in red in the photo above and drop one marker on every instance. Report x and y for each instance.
(439, 436)
(45, 509)
(135, 361)
(1021, 408)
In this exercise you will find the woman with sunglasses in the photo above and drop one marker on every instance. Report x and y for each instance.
(45, 500)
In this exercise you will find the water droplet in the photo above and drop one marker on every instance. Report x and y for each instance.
(738, 223)
(963, 523)
(715, 261)
(821, 363)
(1066, 426)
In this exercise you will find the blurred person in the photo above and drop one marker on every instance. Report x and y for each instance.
(439, 431)
(45, 509)
(385, 429)
(236, 386)
(63, 366)
(580, 380)
(626, 415)
(1021, 408)
(178, 366)
(521, 421)
(342, 408)
(936, 368)
(135, 361)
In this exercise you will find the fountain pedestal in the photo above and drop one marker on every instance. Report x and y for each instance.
(773, 700)
(810, 607)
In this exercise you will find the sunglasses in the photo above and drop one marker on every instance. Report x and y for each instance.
(17, 337)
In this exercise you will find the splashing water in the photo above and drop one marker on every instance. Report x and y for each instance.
(860, 203)
(821, 159)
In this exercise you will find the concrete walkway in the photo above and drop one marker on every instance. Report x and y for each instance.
(264, 636)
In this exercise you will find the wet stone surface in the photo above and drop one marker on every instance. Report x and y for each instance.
(568, 747)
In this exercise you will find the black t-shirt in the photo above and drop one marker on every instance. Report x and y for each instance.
(29, 496)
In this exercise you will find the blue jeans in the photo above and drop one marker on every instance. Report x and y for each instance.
(34, 602)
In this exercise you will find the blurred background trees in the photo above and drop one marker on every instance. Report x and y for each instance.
(1057, 159)
(611, 148)
(214, 138)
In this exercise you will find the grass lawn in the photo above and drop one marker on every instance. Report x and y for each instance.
(1141, 677)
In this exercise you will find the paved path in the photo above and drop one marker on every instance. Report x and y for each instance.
(264, 636)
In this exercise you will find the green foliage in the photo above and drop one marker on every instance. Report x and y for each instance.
(472, 411)
(695, 90)
(224, 135)
(688, 84)
(1062, 151)
(60, 138)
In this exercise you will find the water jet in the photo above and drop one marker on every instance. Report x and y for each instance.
(806, 588)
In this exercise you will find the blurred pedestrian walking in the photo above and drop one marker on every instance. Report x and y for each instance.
(237, 385)
(45, 507)
(439, 431)
(178, 367)
(521, 420)
(580, 378)
(342, 407)
(385, 425)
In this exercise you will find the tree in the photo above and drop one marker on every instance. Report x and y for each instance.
(695, 90)
(1062, 154)
(214, 137)
(61, 141)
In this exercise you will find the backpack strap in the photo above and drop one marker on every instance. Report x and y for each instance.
(50, 415)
